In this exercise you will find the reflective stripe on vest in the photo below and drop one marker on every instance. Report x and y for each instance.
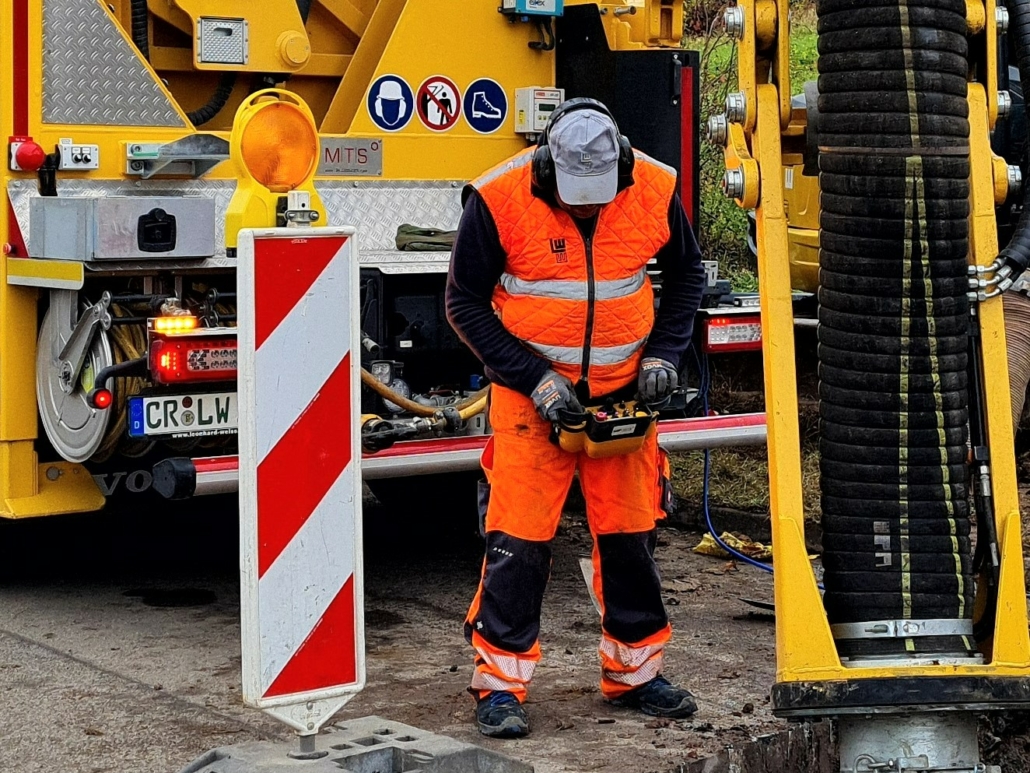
(569, 298)
(599, 355)
(605, 290)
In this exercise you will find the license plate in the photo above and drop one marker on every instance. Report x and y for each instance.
(183, 415)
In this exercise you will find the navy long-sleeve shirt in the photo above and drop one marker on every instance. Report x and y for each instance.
(477, 262)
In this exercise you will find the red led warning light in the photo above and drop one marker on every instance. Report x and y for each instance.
(178, 359)
(733, 334)
(102, 399)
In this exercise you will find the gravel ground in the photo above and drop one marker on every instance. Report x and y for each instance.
(119, 645)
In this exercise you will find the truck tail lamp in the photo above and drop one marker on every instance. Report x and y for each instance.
(187, 359)
(736, 333)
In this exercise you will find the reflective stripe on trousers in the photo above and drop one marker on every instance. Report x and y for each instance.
(624, 667)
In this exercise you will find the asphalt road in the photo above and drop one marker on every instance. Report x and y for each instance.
(119, 644)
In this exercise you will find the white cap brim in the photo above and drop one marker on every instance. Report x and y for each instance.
(582, 190)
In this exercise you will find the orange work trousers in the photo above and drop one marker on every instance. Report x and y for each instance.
(528, 480)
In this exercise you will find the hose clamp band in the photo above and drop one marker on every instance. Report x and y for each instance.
(901, 629)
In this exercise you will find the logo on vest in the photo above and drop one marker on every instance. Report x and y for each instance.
(558, 250)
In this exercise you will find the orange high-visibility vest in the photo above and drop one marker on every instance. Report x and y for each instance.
(588, 307)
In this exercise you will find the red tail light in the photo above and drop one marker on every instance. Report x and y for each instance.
(185, 359)
(102, 399)
(735, 333)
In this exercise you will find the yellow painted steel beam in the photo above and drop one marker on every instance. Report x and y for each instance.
(803, 640)
(62, 488)
(56, 274)
(351, 92)
(1011, 642)
(348, 14)
(747, 63)
(991, 62)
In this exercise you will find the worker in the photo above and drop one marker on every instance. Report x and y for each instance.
(548, 286)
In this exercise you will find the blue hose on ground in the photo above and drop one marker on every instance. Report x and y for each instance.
(704, 383)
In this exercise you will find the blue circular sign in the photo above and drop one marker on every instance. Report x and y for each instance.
(390, 103)
(486, 105)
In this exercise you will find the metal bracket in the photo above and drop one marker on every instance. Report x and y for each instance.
(919, 764)
(194, 156)
(902, 629)
(296, 211)
(73, 355)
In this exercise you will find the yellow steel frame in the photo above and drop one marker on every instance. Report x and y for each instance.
(805, 649)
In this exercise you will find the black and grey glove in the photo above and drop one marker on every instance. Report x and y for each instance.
(657, 380)
(553, 394)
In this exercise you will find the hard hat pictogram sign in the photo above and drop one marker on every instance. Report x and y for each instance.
(300, 484)
(390, 103)
(438, 103)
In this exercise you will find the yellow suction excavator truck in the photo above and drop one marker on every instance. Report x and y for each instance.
(139, 142)
(923, 622)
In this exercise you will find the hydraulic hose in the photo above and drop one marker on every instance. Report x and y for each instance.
(128, 342)
(475, 401)
(140, 37)
(202, 115)
(1016, 254)
(894, 322)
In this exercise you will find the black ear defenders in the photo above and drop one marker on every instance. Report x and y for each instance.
(543, 164)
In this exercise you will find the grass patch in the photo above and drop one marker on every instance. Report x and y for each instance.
(740, 479)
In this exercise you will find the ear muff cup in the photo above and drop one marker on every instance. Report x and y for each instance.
(544, 178)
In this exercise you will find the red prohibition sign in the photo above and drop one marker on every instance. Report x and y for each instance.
(438, 103)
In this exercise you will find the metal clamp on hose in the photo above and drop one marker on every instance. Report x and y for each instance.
(901, 629)
(603, 431)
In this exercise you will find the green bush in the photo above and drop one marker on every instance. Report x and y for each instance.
(723, 227)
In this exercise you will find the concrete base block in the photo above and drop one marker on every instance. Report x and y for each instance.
(366, 745)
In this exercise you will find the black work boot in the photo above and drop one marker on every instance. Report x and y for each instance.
(658, 698)
(500, 715)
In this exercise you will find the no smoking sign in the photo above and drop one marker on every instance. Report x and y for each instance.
(438, 103)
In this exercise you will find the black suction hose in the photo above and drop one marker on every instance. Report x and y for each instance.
(1016, 254)
(139, 27)
(893, 137)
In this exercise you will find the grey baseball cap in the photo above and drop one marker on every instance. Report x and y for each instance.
(585, 149)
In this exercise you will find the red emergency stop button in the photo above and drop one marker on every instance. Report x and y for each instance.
(29, 156)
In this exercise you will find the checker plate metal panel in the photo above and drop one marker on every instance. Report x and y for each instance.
(376, 209)
(222, 41)
(92, 75)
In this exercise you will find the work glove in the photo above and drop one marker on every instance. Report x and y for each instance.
(554, 394)
(657, 379)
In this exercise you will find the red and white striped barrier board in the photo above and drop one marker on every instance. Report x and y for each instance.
(300, 483)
